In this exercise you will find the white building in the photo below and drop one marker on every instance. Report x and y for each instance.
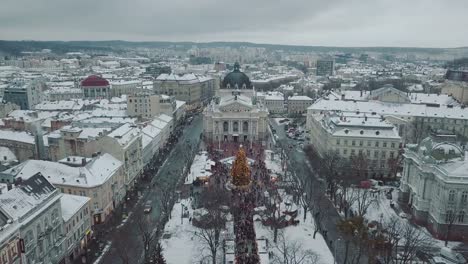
(355, 135)
(435, 186)
(124, 143)
(34, 205)
(273, 101)
(76, 215)
(235, 118)
(101, 179)
(151, 142)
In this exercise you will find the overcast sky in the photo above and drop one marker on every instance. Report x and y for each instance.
(417, 23)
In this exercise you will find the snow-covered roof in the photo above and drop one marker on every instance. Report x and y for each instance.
(183, 78)
(71, 205)
(71, 105)
(244, 100)
(19, 136)
(201, 167)
(27, 198)
(95, 173)
(159, 124)
(300, 98)
(125, 134)
(165, 118)
(386, 109)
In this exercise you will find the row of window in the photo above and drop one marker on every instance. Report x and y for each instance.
(369, 143)
(376, 154)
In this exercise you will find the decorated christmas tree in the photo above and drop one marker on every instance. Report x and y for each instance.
(240, 171)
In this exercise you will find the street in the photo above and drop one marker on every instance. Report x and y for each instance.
(299, 166)
(169, 175)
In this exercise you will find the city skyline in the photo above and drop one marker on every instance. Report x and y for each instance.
(315, 23)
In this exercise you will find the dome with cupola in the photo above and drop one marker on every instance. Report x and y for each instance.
(439, 152)
(236, 79)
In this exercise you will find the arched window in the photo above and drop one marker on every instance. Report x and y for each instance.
(245, 126)
(236, 126)
(451, 196)
(225, 126)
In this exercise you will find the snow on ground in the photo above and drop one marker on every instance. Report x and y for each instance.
(302, 233)
(274, 165)
(281, 118)
(181, 246)
(381, 212)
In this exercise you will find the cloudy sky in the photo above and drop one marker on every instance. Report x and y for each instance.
(417, 23)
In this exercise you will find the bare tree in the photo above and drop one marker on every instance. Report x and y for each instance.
(359, 166)
(395, 164)
(213, 200)
(354, 230)
(318, 208)
(292, 252)
(413, 240)
(360, 200)
(302, 189)
(210, 237)
(450, 218)
(166, 200)
(147, 234)
(122, 248)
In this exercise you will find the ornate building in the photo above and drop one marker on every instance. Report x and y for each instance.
(235, 81)
(235, 118)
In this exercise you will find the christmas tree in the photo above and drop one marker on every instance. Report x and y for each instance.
(158, 257)
(240, 171)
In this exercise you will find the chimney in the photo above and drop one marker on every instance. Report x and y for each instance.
(83, 162)
(9, 186)
(342, 96)
(68, 158)
(361, 92)
(365, 118)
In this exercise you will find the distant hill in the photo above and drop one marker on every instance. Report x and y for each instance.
(15, 47)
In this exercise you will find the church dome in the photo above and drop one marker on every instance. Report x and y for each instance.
(236, 79)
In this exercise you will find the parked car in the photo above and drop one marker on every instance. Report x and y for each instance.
(148, 207)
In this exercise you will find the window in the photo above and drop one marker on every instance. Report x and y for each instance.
(464, 197)
(236, 127)
(225, 126)
(451, 196)
(368, 153)
(392, 145)
(448, 216)
(384, 154)
(377, 144)
(369, 143)
(384, 144)
(245, 127)
(361, 143)
(392, 154)
(382, 165)
(461, 217)
(353, 143)
(338, 142)
(346, 142)
(353, 152)
(376, 154)
(345, 151)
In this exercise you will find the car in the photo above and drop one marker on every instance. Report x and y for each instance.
(148, 207)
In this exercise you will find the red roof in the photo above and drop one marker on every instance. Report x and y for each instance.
(94, 80)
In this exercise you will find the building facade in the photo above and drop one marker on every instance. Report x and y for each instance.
(125, 144)
(435, 187)
(356, 136)
(236, 119)
(325, 67)
(25, 94)
(298, 104)
(95, 87)
(193, 89)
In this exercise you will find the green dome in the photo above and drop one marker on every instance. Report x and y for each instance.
(236, 79)
(439, 152)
